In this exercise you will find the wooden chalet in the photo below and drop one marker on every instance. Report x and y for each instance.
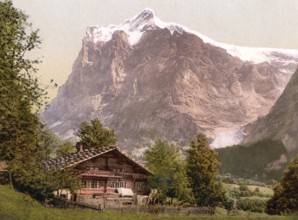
(104, 173)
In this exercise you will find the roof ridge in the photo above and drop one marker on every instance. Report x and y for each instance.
(134, 161)
(73, 159)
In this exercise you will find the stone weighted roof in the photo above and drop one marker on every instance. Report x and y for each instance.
(72, 159)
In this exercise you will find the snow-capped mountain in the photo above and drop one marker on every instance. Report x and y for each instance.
(146, 78)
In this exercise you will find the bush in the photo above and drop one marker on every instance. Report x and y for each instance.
(254, 204)
(285, 198)
(243, 187)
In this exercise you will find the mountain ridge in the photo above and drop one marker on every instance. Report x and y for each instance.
(138, 23)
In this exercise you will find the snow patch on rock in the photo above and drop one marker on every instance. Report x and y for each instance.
(133, 27)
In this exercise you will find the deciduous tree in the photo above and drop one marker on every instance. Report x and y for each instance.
(20, 92)
(65, 148)
(164, 160)
(49, 142)
(23, 142)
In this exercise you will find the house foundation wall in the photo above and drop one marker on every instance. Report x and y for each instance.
(101, 202)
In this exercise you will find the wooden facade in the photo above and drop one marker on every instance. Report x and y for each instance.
(107, 172)
(102, 171)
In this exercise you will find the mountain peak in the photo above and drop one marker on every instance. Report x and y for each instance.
(146, 19)
(137, 22)
(134, 28)
(146, 13)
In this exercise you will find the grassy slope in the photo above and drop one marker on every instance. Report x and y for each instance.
(15, 205)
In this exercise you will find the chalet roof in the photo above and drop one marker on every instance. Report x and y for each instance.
(73, 159)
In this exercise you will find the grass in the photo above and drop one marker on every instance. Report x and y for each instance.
(19, 206)
(264, 190)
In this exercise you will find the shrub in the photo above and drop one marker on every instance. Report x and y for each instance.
(254, 204)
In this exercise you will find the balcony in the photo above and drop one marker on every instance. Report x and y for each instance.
(108, 173)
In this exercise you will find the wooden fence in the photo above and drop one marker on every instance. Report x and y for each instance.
(164, 210)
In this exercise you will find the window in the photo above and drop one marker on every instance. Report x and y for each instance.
(139, 185)
(90, 184)
(95, 184)
(118, 184)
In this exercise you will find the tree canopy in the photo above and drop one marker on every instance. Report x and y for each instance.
(65, 148)
(19, 90)
(164, 160)
(94, 134)
(285, 198)
(202, 169)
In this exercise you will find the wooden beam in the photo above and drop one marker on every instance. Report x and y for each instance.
(107, 163)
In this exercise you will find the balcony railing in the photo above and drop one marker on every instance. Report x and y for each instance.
(107, 173)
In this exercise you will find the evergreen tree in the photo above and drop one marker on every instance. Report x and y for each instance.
(285, 198)
(202, 169)
(93, 134)
(164, 160)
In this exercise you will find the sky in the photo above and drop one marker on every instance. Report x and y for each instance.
(62, 24)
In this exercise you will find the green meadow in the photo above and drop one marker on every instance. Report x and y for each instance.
(18, 206)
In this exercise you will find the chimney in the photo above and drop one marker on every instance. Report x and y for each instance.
(81, 148)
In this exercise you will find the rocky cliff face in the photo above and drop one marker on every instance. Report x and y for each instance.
(147, 79)
(282, 121)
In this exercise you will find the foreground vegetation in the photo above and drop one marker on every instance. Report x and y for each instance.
(15, 205)
(285, 198)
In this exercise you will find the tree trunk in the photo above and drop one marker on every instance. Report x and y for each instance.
(10, 179)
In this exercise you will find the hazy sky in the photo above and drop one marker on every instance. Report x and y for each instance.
(62, 24)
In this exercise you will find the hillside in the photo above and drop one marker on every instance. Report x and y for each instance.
(282, 121)
(18, 206)
(272, 143)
